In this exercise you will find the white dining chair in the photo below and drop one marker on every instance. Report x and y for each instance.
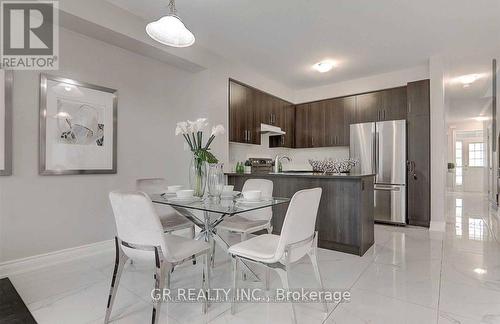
(170, 219)
(140, 237)
(278, 252)
(252, 221)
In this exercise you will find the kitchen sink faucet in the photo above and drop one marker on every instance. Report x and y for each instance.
(277, 162)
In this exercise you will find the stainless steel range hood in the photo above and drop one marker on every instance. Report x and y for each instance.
(271, 130)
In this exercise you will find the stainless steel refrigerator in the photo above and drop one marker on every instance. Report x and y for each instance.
(380, 149)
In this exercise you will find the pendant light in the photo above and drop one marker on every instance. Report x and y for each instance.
(170, 30)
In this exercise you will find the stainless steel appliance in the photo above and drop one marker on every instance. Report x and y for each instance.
(380, 148)
(261, 165)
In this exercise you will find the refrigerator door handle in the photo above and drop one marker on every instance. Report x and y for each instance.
(388, 188)
(376, 162)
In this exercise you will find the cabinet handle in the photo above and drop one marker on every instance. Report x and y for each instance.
(246, 136)
(378, 115)
(283, 140)
(249, 135)
(384, 114)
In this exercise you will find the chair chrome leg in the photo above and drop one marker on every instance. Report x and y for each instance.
(314, 260)
(206, 281)
(235, 284)
(286, 284)
(120, 260)
(270, 229)
(193, 236)
(160, 273)
(212, 252)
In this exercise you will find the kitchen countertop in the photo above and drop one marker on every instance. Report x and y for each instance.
(304, 175)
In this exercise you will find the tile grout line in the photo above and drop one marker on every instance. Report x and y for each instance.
(440, 279)
(350, 288)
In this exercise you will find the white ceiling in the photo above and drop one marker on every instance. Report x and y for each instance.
(283, 38)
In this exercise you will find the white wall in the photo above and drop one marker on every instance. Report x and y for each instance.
(43, 214)
(300, 157)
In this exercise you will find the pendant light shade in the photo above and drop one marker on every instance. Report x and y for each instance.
(170, 30)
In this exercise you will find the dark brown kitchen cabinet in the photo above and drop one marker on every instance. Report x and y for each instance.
(310, 125)
(394, 104)
(287, 124)
(302, 130)
(418, 97)
(339, 114)
(389, 104)
(368, 107)
(243, 126)
(419, 198)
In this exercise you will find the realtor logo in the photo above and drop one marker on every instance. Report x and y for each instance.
(29, 35)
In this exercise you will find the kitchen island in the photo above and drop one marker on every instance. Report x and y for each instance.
(345, 216)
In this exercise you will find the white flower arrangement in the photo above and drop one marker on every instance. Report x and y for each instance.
(192, 131)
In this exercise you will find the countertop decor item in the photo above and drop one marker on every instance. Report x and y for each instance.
(332, 166)
(78, 127)
(170, 30)
(192, 131)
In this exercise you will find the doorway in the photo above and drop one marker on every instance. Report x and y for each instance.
(470, 161)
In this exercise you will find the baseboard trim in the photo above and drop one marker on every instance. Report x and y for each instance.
(437, 226)
(42, 260)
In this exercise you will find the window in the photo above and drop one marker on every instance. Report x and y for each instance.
(458, 163)
(476, 155)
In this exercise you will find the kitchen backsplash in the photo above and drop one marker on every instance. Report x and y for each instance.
(241, 152)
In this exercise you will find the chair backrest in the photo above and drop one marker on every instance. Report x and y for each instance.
(299, 223)
(152, 185)
(266, 187)
(137, 222)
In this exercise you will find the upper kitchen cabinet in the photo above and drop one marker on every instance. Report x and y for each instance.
(287, 124)
(389, 104)
(393, 104)
(310, 125)
(302, 131)
(243, 123)
(368, 107)
(339, 114)
(418, 93)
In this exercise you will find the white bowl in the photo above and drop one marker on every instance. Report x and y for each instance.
(173, 189)
(185, 193)
(228, 189)
(252, 195)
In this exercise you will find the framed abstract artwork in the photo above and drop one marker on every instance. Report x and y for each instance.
(78, 132)
(6, 79)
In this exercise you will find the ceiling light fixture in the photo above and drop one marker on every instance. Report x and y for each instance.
(467, 80)
(170, 30)
(480, 271)
(482, 118)
(324, 66)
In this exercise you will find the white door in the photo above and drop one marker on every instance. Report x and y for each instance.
(470, 164)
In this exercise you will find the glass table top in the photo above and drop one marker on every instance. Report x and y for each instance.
(221, 206)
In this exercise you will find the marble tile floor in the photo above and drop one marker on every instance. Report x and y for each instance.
(410, 275)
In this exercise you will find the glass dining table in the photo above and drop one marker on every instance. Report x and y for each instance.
(207, 213)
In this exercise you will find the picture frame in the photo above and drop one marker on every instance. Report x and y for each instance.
(78, 127)
(6, 82)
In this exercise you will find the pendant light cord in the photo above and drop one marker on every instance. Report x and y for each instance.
(171, 5)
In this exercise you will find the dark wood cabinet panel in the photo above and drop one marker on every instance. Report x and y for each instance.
(418, 94)
(316, 123)
(394, 104)
(339, 114)
(345, 215)
(368, 107)
(302, 131)
(310, 125)
(287, 124)
(419, 198)
(237, 114)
